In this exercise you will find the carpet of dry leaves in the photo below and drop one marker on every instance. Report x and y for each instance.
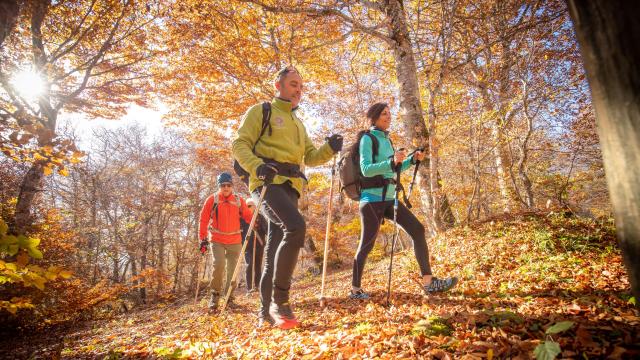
(518, 277)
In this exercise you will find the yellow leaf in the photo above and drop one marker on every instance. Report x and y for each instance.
(65, 274)
(489, 354)
(63, 172)
(47, 171)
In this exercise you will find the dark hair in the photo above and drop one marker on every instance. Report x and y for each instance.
(373, 114)
(284, 71)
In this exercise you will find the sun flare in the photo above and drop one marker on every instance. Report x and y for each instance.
(29, 84)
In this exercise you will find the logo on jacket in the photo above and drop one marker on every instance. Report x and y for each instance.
(278, 121)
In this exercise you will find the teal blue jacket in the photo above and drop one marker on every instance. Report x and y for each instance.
(382, 166)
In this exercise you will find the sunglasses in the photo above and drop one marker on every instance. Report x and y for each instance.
(287, 69)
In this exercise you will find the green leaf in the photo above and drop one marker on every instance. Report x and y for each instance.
(33, 242)
(559, 327)
(547, 350)
(34, 253)
(13, 249)
(23, 241)
(632, 301)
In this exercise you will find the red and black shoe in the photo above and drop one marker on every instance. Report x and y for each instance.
(283, 316)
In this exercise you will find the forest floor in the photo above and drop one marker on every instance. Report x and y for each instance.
(530, 282)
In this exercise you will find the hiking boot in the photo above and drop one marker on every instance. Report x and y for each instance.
(440, 285)
(213, 301)
(359, 295)
(264, 319)
(283, 316)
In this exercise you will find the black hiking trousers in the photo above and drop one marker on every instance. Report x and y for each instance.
(285, 238)
(371, 216)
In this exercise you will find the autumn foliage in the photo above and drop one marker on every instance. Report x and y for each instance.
(98, 223)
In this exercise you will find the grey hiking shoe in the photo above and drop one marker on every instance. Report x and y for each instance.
(359, 295)
(440, 285)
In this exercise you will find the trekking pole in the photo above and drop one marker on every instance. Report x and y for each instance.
(395, 229)
(326, 235)
(415, 172)
(203, 259)
(244, 248)
(253, 264)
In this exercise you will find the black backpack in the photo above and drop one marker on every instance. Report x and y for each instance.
(351, 179)
(266, 116)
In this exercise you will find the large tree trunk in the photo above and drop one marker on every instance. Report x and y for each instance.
(9, 10)
(30, 186)
(609, 33)
(33, 178)
(411, 112)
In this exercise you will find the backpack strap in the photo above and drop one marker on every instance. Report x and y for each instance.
(214, 208)
(238, 201)
(266, 123)
(374, 145)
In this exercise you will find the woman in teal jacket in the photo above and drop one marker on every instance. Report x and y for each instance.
(377, 203)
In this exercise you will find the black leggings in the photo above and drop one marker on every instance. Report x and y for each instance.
(371, 215)
(287, 229)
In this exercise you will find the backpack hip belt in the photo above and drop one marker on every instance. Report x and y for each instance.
(286, 169)
(375, 182)
(216, 231)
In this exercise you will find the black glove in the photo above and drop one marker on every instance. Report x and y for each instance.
(335, 141)
(414, 161)
(204, 245)
(266, 172)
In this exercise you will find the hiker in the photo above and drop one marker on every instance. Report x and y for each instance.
(275, 153)
(220, 228)
(376, 202)
(258, 236)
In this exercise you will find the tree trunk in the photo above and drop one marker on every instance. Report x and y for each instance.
(609, 33)
(30, 186)
(411, 113)
(9, 10)
(33, 178)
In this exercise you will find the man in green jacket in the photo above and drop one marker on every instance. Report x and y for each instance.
(274, 159)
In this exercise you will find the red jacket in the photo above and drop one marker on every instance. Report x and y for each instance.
(226, 228)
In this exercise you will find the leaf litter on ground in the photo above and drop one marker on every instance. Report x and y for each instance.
(530, 286)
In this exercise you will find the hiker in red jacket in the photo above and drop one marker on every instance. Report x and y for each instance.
(220, 227)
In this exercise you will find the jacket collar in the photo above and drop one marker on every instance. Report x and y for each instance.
(225, 198)
(382, 132)
(283, 105)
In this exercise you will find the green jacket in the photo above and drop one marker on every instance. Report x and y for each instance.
(382, 166)
(288, 143)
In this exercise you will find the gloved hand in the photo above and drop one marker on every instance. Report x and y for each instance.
(204, 245)
(335, 142)
(266, 172)
(418, 156)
